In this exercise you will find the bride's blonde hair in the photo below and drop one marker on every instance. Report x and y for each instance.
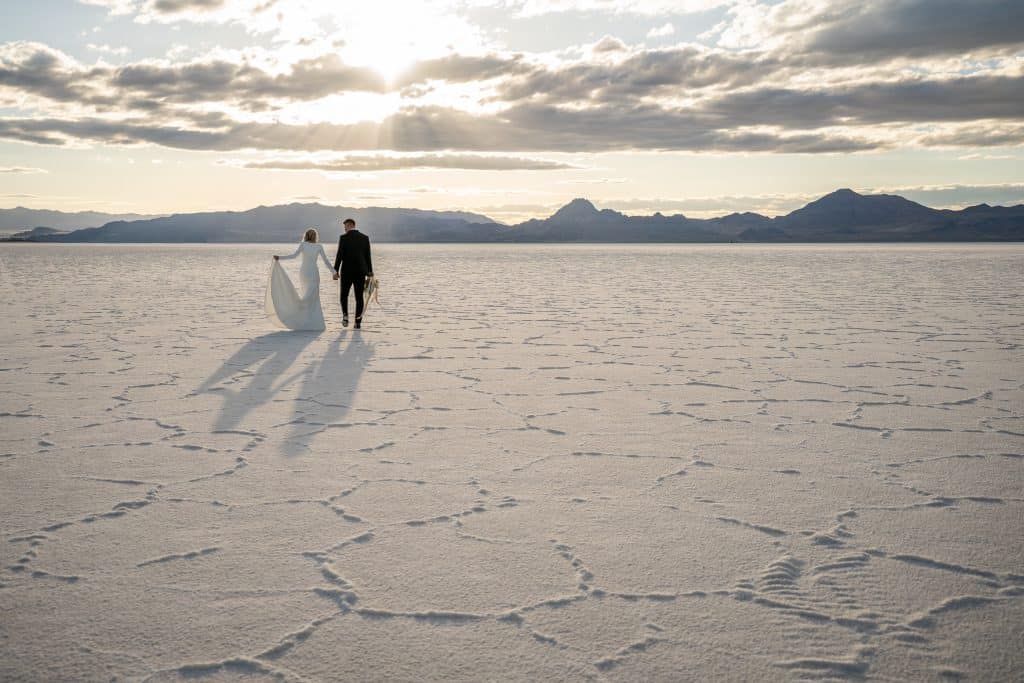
(310, 235)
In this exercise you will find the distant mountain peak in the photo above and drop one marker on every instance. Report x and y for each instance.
(844, 194)
(575, 208)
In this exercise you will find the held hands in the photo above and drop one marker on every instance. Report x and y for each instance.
(275, 257)
(336, 276)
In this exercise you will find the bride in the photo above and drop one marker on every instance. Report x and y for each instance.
(298, 309)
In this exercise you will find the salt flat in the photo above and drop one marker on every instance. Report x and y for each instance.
(534, 463)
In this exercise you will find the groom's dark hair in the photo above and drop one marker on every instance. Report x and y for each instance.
(348, 220)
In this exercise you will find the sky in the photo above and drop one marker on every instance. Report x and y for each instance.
(510, 108)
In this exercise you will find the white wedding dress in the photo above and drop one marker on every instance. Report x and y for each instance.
(297, 309)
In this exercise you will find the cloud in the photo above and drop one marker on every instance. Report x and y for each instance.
(644, 126)
(21, 169)
(959, 196)
(608, 44)
(837, 31)
(914, 28)
(521, 8)
(39, 70)
(377, 30)
(825, 32)
(990, 157)
(107, 49)
(718, 85)
(462, 68)
(359, 163)
(220, 11)
(917, 100)
(175, 6)
(221, 80)
(521, 128)
(815, 76)
(42, 71)
(639, 7)
(594, 181)
(977, 135)
(541, 106)
(669, 71)
(763, 89)
(662, 31)
(113, 6)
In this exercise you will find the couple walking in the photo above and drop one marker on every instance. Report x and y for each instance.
(300, 309)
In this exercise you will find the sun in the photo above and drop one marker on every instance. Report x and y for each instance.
(390, 57)
(390, 37)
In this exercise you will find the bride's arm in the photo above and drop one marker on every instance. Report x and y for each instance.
(323, 255)
(291, 256)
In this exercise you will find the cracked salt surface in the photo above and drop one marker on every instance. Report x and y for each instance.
(726, 471)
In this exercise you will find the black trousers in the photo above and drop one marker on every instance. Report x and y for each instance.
(352, 282)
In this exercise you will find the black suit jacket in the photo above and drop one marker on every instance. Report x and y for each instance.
(353, 257)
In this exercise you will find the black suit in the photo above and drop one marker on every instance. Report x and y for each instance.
(353, 263)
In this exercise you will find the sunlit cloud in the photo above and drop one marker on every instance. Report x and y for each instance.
(594, 181)
(107, 49)
(988, 157)
(21, 170)
(114, 6)
(358, 163)
(662, 31)
(385, 36)
(641, 7)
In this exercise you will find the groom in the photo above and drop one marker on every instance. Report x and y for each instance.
(353, 258)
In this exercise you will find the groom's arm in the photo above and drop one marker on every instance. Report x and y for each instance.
(337, 256)
(369, 263)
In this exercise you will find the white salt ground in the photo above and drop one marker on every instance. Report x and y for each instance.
(534, 463)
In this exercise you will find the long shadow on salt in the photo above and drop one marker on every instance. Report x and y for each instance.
(328, 390)
(263, 360)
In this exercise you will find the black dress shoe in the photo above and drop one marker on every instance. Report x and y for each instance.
(359, 323)
(344, 321)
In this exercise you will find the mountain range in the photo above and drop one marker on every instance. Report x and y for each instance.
(841, 216)
(20, 218)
